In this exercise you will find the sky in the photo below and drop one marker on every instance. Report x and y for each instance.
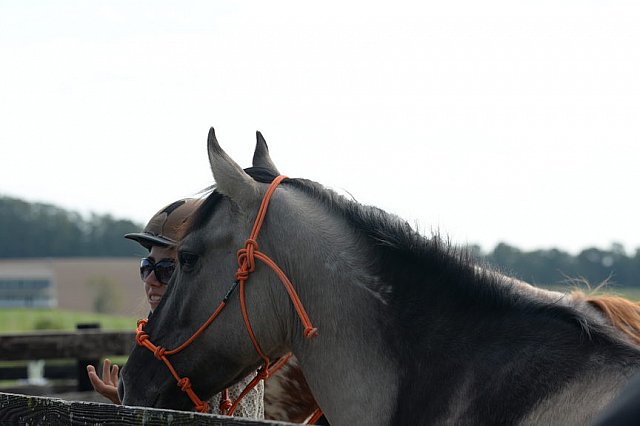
(494, 121)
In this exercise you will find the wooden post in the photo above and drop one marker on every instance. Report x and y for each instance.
(84, 384)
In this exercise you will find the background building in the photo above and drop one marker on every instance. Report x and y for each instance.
(107, 285)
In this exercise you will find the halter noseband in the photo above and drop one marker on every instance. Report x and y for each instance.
(246, 265)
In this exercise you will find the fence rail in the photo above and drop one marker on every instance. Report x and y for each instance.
(81, 347)
(32, 410)
(53, 372)
(81, 344)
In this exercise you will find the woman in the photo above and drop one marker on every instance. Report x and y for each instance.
(160, 237)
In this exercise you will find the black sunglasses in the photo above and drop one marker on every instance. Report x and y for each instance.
(163, 269)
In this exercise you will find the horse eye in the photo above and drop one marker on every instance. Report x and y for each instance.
(187, 260)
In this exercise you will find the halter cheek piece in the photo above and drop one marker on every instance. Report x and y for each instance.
(246, 265)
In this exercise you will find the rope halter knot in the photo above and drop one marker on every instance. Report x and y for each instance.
(225, 402)
(142, 338)
(184, 384)
(311, 332)
(246, 259)
(159, 352)
(202, 407)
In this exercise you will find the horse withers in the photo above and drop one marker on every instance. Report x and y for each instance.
(410, 329)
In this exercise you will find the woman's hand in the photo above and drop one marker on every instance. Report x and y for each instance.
(108, 385)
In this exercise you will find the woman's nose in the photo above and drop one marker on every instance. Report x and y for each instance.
(152, 280)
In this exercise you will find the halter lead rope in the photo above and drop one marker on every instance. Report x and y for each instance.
(246, 265)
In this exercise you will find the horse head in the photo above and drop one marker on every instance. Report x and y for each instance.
(208, 274)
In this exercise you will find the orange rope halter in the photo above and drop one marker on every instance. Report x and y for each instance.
(246, 265)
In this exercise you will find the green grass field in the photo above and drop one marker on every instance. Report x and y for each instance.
(21, 319)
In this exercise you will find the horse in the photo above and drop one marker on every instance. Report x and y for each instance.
(287, 396)
(389, 326)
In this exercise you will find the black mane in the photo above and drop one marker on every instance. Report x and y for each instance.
(406, 260)
(400, 247)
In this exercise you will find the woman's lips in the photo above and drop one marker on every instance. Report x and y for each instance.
(154, 300)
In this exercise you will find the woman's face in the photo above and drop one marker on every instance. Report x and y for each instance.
(153, 288)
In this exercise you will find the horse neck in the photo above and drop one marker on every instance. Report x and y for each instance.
(349, 357)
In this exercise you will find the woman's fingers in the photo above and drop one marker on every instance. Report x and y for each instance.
(114, 375)
(106, 371)
(105, 387)
(96, 382)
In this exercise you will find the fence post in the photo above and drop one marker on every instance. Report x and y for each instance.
(84, 384)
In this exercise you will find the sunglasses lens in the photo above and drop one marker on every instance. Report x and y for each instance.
(164, 271)
(146, 268)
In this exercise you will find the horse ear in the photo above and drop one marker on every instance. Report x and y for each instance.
(261, 157)
(230, 179)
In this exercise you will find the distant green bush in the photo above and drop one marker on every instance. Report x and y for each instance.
(47, 323)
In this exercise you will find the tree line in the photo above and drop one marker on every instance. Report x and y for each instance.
(44, 230)
(555, 267)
